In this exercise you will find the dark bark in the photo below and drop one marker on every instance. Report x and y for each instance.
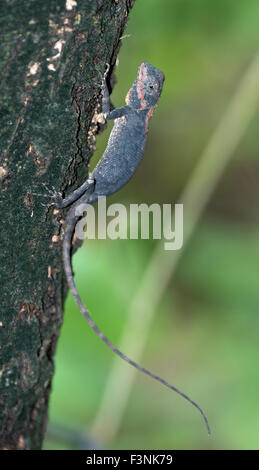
(51, 58)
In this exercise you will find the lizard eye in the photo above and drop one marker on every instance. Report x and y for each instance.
(151, 87)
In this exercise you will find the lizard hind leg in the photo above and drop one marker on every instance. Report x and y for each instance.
(87, 186)
(59, 201)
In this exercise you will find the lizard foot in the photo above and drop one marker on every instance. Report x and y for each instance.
(53, 194)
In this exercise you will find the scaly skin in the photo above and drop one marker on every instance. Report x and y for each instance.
(118, 164)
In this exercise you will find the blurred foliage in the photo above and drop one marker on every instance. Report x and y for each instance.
(204, 338)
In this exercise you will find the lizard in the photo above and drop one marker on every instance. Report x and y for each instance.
(119, 162)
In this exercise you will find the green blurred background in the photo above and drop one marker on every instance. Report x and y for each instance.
(204, 334)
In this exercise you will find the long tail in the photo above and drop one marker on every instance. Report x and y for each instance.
(71, 223)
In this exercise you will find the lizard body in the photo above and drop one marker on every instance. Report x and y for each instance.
(119, 162)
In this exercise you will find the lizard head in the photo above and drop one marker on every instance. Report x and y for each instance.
(146, 90)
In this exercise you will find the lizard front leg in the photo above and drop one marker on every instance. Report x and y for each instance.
(106, 103)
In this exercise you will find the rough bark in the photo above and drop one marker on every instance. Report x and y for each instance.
(52, 56)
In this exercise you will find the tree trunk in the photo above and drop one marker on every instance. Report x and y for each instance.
(52, 56)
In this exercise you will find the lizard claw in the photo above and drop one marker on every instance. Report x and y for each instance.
(106, 71)
(47, 204)
(51, 191)
(53, 194)
(103, 77)
(56, 197)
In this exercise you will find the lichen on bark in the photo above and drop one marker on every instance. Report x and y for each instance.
(51, 59)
